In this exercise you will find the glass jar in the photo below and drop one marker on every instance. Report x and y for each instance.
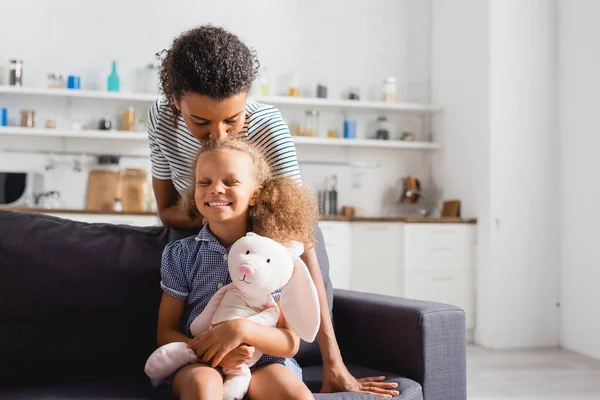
(129, 119)
(389, 90)
(27, 118)
(311, 123)
(56, 81)
(16, 73)
(383, 128)
(294, 88)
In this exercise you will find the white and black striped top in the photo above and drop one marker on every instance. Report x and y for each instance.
(172, 150)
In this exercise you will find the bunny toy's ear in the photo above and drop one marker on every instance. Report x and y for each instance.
(300, 302)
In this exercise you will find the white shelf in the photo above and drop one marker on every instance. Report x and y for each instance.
(87, 94)
(299, 102)
(390, 144)
(69, 133)
(351, 105)
(142, 136)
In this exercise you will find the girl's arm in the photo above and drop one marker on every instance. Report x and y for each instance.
(169, 320)
(281, 341)
(213, 345)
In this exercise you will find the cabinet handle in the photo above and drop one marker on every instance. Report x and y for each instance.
(442, 278)
(442, 249)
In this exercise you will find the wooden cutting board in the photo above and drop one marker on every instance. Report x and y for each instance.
(102, 190)
(131, 189)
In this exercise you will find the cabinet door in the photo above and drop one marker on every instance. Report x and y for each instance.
(450, 287)
(337, 243)
(377, 262)
(439, 247)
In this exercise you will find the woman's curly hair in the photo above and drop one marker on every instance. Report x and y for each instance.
(284, 211)
(209, 61)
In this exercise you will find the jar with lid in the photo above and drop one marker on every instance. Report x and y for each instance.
(383, 128)
(389, 90)
(56, 81)
(16, 73)
(311, 123)
(27, 118)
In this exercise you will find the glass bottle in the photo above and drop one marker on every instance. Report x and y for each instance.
(311, 123)
(129, 119)
(389, 90)
(113, 79)
(294, 89)
(264, 82)
(16, 73)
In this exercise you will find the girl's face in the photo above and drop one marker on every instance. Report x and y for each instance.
(225, 185)
(209, 119)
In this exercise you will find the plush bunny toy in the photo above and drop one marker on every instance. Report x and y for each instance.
(258, 266)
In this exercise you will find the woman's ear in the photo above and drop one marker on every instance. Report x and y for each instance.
(177, 103)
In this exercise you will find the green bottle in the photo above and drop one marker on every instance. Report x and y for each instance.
(113, 79)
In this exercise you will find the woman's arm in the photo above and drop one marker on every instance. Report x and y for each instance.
(166, 201)
(169, 320)
(330, 350)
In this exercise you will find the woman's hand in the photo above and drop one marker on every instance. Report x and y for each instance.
(339, 379)
(214, 344)
(238, 356)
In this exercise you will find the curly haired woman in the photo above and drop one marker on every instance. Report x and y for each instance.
(205, 78)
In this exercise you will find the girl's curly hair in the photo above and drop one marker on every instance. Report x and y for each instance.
(284, 211)
(209, 61)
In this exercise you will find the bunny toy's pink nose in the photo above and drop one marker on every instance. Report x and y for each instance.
(247, 269)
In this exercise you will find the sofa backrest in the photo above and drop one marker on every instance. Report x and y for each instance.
(80, 301)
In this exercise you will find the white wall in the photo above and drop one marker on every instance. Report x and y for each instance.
(369, 41)
(579, 85)
(497, 71)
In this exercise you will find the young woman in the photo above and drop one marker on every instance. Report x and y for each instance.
(205, 77)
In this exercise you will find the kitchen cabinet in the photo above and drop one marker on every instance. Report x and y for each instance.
(376, 254)
(432, 262)
(338, 242)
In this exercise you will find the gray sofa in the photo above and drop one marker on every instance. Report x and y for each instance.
(78, 310)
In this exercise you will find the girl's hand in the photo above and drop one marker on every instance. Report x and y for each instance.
(238, 356)
(214, 344)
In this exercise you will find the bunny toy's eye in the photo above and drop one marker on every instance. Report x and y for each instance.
(247, 251)
(268, 260)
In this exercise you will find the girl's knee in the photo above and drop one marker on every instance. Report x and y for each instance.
(198, 382)
(301, 392)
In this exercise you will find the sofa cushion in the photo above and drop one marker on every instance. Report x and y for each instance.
(80, 297)
(409, 389)
(78, 300)
(86, 391)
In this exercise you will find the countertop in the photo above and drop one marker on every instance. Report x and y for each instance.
(408, 220)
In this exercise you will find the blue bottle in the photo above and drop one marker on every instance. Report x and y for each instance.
(113, 79)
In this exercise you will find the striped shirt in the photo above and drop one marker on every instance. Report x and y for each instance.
(173, 150)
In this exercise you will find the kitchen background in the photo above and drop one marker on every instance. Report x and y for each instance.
(516, 82)
(376, 40)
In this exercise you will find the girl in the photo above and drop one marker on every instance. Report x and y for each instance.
(234, 190)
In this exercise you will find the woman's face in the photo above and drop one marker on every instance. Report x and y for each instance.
(225, 185)
(209, 119)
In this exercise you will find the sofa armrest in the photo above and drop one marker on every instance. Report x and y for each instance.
(423, 341)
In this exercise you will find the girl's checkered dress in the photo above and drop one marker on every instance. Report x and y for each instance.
(193, 269)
